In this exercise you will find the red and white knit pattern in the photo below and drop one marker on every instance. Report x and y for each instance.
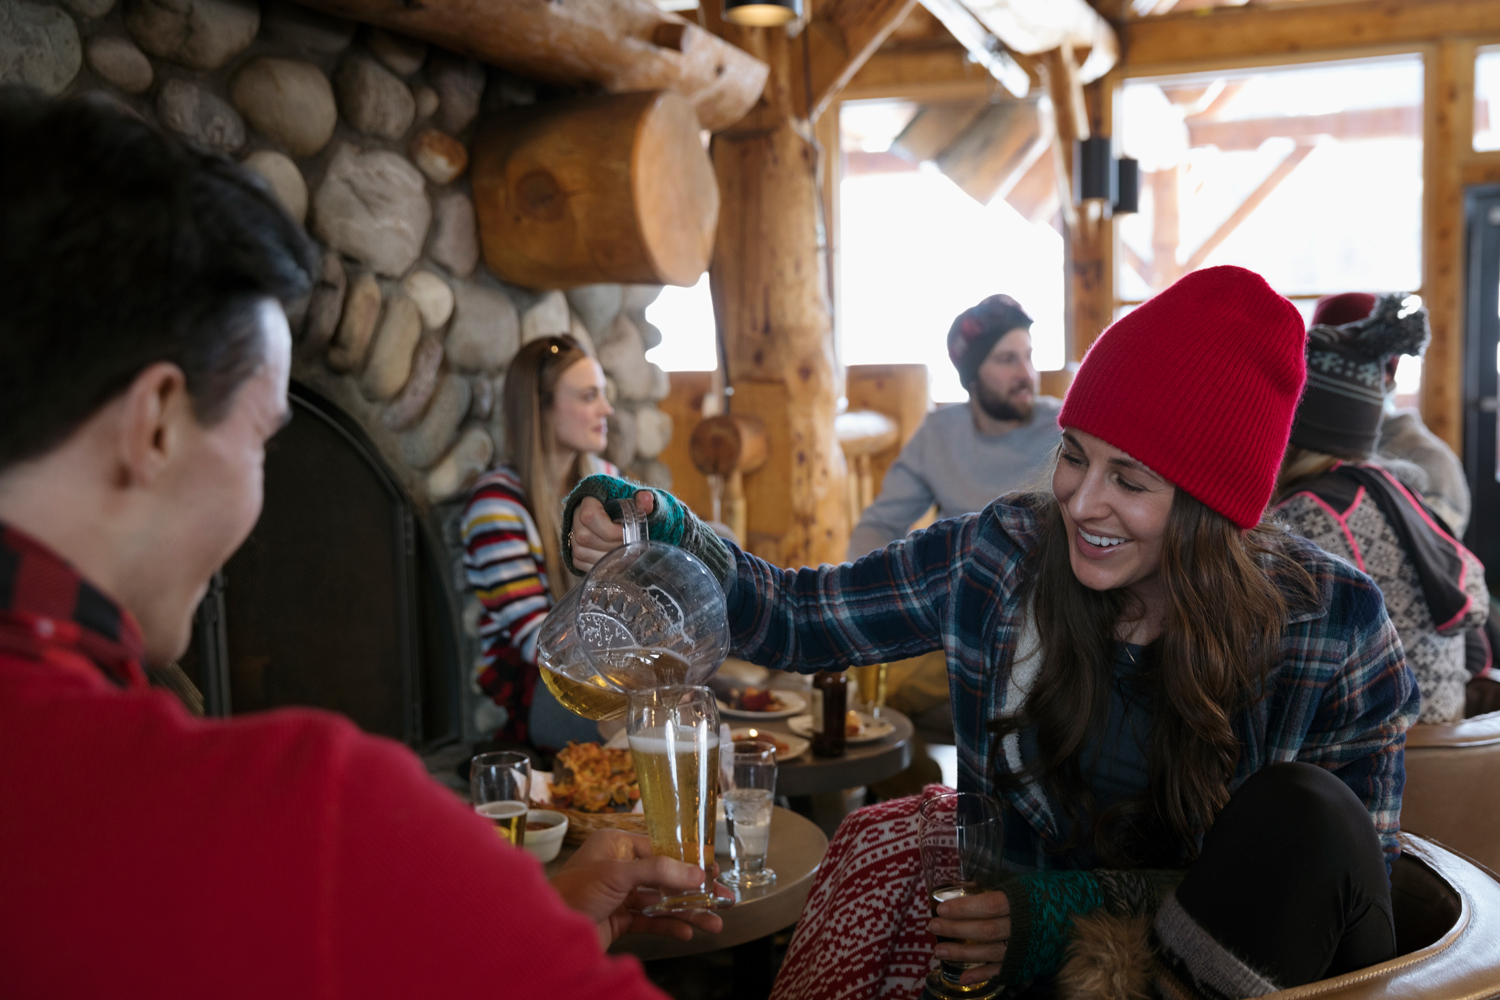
(863, 933)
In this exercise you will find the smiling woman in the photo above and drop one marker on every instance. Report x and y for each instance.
(1135, 657)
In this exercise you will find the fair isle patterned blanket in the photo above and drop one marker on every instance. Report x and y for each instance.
(863, 933)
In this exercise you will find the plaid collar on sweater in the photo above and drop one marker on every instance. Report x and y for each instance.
(1341, 697)
(48, 612)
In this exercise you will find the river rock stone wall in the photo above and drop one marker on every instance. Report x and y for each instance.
(363, 136)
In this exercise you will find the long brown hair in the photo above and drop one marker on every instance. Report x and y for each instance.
(1228, 596)
(530, 391)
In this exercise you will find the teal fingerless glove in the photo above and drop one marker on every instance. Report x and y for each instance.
(1042, 908)
(670, 521)
(1043, 905)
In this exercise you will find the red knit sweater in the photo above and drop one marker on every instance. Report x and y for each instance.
(145, 853)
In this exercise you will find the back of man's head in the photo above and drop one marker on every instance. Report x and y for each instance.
(118, 249)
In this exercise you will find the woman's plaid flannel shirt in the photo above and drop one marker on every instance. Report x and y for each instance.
(1342, 697)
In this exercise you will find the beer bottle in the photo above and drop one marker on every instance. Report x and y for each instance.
(830, 702)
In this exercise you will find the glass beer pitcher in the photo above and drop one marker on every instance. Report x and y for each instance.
(648, 615)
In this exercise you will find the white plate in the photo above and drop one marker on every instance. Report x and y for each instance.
(874, 729)
(796, 745)
(794, 703)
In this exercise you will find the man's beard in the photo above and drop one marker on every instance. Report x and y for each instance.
(999, 407)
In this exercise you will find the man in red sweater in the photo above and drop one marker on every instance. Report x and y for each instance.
(144, 358)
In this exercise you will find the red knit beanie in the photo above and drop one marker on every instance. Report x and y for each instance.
(1200, 383)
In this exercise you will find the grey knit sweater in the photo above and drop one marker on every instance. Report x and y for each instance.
(949, 463)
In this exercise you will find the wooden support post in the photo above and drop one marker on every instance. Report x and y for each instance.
(1090, 290)
(1166, 227)
(1446, 144)
(770, 279)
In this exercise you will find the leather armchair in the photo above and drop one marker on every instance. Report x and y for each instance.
(1447, 913)
(1452, 790)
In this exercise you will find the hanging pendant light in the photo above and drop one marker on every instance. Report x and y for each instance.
(762, 13)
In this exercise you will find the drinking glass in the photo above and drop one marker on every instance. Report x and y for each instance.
(959, 834)
(674, 741)
(500, 787)
(871, 682)
(747, 812)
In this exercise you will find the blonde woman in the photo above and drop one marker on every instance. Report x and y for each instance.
(555, 425)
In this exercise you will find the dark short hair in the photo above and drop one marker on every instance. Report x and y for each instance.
(120, 248)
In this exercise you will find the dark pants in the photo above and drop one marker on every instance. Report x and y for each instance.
(1292, 878)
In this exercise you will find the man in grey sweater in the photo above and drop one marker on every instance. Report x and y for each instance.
(965, 455)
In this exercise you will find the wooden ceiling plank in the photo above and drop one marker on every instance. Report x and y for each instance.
(1231, 33)
(923, 74)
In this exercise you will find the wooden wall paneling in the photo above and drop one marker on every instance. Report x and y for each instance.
(684, 404)
(1447, 142)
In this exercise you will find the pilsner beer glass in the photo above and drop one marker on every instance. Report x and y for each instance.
(959, 835)
(674, 741)
(500, 787)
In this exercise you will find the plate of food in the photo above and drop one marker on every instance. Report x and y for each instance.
(594, 787)
(760, 703)
(859, 727)
(788, 747)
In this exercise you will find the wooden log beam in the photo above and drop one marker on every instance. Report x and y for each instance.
(983, 47)
(1250, 204)
(839, 38)
(623, 45)
(1448, 139)
(994, 150)
(1365, 123)
(935, 127)
(607, 188)
(1032, 27)
(931, 74)
(1034, 193)
(1227, 34)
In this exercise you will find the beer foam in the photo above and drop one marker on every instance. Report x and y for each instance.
(654, 740)
(500, 810)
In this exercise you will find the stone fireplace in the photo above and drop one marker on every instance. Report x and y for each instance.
(351, 593)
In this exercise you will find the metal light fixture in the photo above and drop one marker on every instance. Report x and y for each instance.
(1127, 186)
(1093, 173)
(762, 13)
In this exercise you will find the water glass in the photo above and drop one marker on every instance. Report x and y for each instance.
(748, 798)
(959, 835)
(500, 788)
(674, 741)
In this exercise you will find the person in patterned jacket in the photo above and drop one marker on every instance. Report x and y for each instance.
(555, 426)
(1195, 721)
(1333, 492)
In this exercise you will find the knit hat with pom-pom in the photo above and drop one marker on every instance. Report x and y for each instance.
(1199, 384)
(1341, 411)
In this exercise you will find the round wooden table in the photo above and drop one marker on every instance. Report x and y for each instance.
(861, 765)
(797, 848)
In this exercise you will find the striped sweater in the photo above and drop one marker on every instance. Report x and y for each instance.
(507, 570)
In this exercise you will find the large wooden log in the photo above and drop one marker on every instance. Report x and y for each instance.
(624, 45)
(613, 188)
